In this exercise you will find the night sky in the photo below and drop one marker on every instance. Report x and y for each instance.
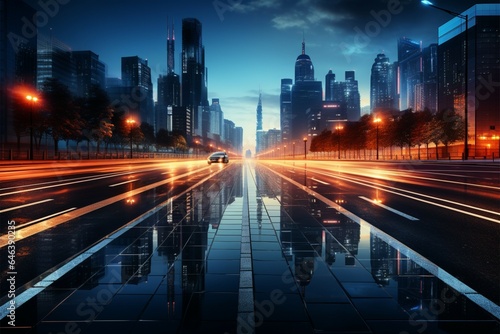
(250, 44)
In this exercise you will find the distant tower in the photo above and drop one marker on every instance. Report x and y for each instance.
(382, 92)
(304, 69)
(329, 86)
(170, 50)
(259, 113)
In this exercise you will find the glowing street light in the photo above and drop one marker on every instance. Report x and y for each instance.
(466, 70)
(377, 121)
(33, 100)
(130, 123)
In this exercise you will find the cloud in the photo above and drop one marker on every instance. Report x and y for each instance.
(241, 6)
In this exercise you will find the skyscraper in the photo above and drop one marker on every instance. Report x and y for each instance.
(216, 121)
(286, 109)
(170, 50)
(89, 71)
(426, 92)
(329, 86)
(409, 70)
(382, 91)
(259, 113)
(18, 61)
(258, 135)
(54, 61)
(307, 96)
(168, 89)
(194, 89)
(483, 46)
(136, 78)
(352, 96)
(304, 69)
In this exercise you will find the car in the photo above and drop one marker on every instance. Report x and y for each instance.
(218, 157)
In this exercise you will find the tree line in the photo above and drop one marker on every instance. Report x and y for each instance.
(394, 129)
(90, 119)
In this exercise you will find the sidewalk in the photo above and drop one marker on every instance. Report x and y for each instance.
(271, 261)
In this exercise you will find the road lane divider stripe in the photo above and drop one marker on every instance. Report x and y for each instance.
(432, 199)
(61, 219)
(319, 181)
(82, 178)
(44, 218)
(26, 205)
(59, 185)
(34, 287)
(121, 183)
(390, 190)
(402, 214)
(425, 263)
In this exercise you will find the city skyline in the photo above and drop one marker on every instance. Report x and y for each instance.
(250, 45)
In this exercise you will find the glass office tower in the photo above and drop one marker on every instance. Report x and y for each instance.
(480, 47)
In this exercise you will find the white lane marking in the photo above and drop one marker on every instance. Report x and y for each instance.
(57, 185)
(380, 187)
(319, 181)
(119, 184)
(26, 205)
(435, 270)
(402, 214)
(71, 263)
(61, 219)
(82, 178)
(44, 218)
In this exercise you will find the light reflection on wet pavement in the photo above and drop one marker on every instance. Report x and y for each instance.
(253, 254)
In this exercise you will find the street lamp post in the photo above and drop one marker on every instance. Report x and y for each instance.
(338, 128)
(466, 70)
(130, 122)
(33, 100)
(377, 121)
(305, 148)
(293, 150)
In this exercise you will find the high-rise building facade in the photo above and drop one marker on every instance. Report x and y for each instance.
(307, 97)
(89, 71)
(329, 86)
(382, 90)
(136, 78)
(353, 99)
(168, 88)
(304, 69)
(426, 91)
(479, 46)
(286, 108)
(259, 113)
(18, 62)
(409, 71)
(216, 121)
(54, 61)
(194, 74)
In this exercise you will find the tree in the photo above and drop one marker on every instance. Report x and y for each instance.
(149, 135)
(97, 115)
(163, 140)
(422, 129)
(452, 127)
(61, 117)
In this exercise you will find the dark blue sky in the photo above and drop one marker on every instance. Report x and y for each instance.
(251, 44)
